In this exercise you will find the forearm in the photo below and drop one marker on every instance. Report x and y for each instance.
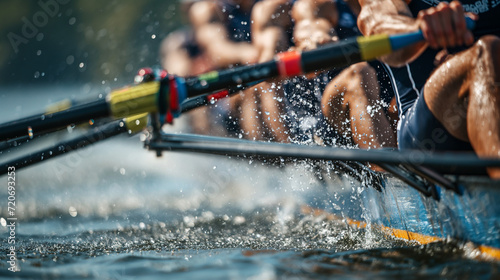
(390, 17)
(315, 22)
(225, 54)
(214, 39)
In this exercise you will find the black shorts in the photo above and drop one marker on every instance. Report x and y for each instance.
(419, 129)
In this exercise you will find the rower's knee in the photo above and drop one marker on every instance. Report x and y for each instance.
(488, 55)
(362, 81)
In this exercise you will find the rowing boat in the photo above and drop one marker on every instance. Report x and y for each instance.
(423, 208)
(412, 200)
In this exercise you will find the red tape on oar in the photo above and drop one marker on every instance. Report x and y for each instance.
(174, 107)
(289, 63)
(218, 95)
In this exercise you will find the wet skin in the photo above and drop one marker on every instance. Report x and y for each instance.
(467, 82)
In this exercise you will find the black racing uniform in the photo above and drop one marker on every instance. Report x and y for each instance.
(418, 128)
(238, 22)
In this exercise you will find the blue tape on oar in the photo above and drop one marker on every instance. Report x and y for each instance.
(403, 40)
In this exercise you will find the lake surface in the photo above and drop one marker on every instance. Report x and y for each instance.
(116, 211)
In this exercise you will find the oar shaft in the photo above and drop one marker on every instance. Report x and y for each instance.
(131, 125)
(293, 63)
(95, 135)
(49, 122)
(217, 80)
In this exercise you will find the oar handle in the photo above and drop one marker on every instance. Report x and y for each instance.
(400, 41)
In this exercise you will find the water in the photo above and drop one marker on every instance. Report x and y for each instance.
(115, 211)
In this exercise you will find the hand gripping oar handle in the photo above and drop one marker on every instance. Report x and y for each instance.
(403, 40)
(165, 96)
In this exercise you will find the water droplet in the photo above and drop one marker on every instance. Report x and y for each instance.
(30, 132)
(72, 211)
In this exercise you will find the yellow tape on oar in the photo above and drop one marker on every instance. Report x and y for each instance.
(134, 100)
(374, 46)
(137, 123)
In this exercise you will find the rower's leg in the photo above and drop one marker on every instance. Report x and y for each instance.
(464, 95)
(270, 22)
(483, 118)
(351, 103)
(250, 121)
(272, 105)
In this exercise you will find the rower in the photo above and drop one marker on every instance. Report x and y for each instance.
(449, 97)
(271, 33)
(181, 55)
(354, 101)
(223, 30)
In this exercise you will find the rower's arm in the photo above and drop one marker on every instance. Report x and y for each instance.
(390, 17)
(315, 21)
(211, 34)
(270, 24)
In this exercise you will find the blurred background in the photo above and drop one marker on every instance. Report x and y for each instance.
(71, 42)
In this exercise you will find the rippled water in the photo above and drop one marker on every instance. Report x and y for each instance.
(115, 211)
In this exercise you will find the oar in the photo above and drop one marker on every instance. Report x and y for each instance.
(165, 96)
(96, 134)
(130, 125)
(212, 98)
(247, 148)
(56, 107)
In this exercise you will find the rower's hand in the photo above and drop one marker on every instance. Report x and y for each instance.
(444, 26)
(248, 54)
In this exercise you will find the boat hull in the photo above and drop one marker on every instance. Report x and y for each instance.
(406, 213)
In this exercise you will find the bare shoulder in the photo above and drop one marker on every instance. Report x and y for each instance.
(204, 12)
(385, 6)
(313, 9)
(377, 13)
(271, 12)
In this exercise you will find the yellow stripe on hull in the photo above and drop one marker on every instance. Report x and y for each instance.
(422, 239)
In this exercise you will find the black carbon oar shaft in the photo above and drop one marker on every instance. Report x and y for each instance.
(43, 123)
